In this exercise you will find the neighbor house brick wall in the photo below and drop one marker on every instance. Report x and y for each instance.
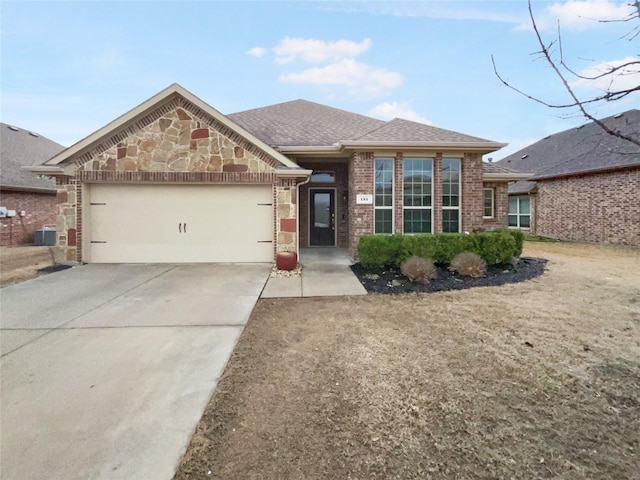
(39, 208)
(341, 186)
(500, 206)
(176, 147)
(601, 207)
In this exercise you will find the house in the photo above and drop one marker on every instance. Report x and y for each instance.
(585, 187)
(27, 202)
(174, 180)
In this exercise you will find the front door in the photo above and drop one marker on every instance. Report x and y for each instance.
(322, 216)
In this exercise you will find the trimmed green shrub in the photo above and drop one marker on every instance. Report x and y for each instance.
(382, 250)
(419, 269)
(517, 235)
(392, 250)
(468, 264)
(497, 247)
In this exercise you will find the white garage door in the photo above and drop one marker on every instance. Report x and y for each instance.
(177, 223)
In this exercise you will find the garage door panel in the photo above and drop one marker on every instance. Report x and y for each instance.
(180, 224)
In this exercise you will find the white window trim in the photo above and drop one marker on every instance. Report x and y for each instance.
(432, 190)
(393, 195)
(493, 202)
(459, 207)
(518, 214)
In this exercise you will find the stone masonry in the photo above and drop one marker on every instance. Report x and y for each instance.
(177, 147)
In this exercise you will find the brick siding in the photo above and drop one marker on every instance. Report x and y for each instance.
(39, 208)
(602, 207)
(500, 206)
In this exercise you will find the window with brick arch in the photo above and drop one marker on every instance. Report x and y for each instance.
(451, 195)
(417, 195)
(383, 204)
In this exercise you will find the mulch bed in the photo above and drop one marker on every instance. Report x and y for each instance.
(392, 281)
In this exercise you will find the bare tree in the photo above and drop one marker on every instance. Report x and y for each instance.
(564, 72)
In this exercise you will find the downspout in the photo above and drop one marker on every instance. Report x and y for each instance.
(298, 214)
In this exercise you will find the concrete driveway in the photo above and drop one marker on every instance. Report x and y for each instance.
(106, 369)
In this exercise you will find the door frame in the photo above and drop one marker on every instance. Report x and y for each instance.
(335, 213)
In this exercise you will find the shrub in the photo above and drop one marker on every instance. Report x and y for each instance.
(381, 250)
(418, 269)
(497, 247)
(518, 236)
(392, 250)
(469, 264)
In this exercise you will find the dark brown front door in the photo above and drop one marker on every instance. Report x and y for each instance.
(322, 215)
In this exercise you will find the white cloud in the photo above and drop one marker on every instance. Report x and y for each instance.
(391, 110)
(360, 79)
(624, 79)
(317, 51)
(257, 51)
(579, 14)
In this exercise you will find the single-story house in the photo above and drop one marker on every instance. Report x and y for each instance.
(586, 184)
(174, 180)
(27, 201)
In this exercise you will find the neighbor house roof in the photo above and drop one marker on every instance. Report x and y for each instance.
(585, 149)
(491, 171)
(301, 126)
(23, 148)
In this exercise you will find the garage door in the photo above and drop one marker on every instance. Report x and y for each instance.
(178, 223)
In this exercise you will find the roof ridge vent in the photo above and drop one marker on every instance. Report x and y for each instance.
(578, 128)
(524, 156)
(618, 115)
(15, 129)
(33, 134)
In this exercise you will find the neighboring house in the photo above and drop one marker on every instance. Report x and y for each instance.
(29, 201)
(585, 187)
(174, 180)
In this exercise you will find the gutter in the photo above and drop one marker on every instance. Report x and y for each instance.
(340, 147)
(489, 177)
(52, 170)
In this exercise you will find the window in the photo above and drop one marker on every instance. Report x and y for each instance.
(519, 211)
(383, 206)
(450, 195)
(417, 194)
(488, 195)
(323, 177)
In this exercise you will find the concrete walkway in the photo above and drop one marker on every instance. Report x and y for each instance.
(325, 273)
(106, 369)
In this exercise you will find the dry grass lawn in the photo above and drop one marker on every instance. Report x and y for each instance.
(21, 263)
(533, 380)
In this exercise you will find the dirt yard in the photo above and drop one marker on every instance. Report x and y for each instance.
(21, 263)
(539, 379)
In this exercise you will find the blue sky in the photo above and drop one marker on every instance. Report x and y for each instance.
(69, 68)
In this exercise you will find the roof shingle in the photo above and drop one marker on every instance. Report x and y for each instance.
(587, 148)
(18, 148)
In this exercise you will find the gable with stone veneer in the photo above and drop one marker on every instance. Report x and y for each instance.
(177, 142)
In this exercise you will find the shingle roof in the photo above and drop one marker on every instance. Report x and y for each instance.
(401, 130)
(587, 148)
(301, 122)
(489, 167)
(18, 148)
(304, 123)
(522, 186)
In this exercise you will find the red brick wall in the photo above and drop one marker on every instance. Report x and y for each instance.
(360, 183)
(472, 203)
(500, 206)
(602, 207)
(39, 208)
(341, 186)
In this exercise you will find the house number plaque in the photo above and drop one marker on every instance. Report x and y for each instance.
(364, 199)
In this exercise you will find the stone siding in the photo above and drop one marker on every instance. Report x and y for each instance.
(176, 147)
(602, 207)
(39, 209)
